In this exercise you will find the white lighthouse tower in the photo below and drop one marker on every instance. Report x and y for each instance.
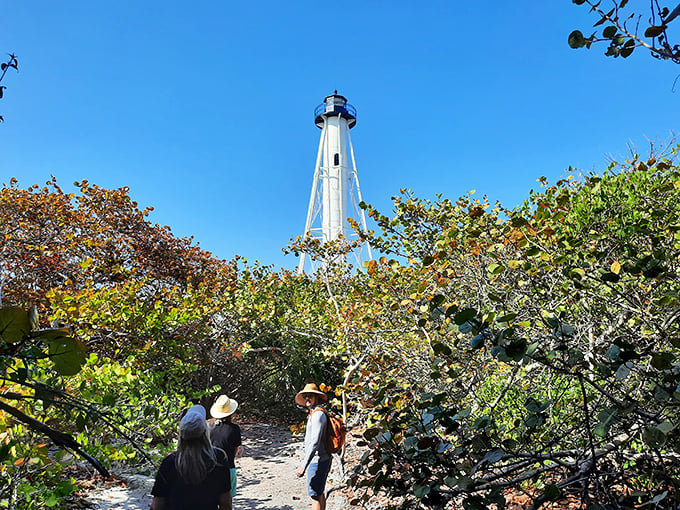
(335, 189)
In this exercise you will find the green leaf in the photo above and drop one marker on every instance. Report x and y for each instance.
(628, 48)
(14, 324)
(465, 315)
(576, 39)
(552, 492)
(577, 273)
(506, 318)
(420, 491)
(654, 437)
(623, 370)
(601, 430)
(534, 420)
(371, 433)
(81, 421)
(553, 321)
(533, 405)
(494, 455)
(436, 300)
(68, 355)
(440, 348)
(477, 342)
(665, 427)
(609, 32)
(564, 330)
(655, 31)
(4, 450)
(517, 349)
(451, 310)
(496, 269)
(661, 394)
(468, 326)
(52, 500)
(49, 334)
(608, 415)
(662, 360)
(612, 353)
(610, 277)
(605, 17)
(465, 483)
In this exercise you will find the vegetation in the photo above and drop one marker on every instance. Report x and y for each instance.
(160, 322)
(489, 352)
(548, 357)
(621, 30)
(12, 63)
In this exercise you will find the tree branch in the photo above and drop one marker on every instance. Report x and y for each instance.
(59, 438)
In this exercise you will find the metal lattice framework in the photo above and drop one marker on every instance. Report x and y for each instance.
(336, 193)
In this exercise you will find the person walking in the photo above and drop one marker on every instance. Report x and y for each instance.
(317, 461)
(196, 475)
(225, 434)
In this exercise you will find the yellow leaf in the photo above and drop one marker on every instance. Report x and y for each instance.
(616, 267)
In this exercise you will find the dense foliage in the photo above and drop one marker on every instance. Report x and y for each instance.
(540, 346)
(488, 352)
(141, 322)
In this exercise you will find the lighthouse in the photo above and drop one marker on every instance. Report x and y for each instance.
(336, 194)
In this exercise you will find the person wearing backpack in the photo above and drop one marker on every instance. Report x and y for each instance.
(317, 460)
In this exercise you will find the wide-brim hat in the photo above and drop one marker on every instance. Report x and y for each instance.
(223, 407)
(309, 388)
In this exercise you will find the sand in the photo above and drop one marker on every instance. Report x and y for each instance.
(265, 474)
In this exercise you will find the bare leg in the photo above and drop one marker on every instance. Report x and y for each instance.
(319, 503)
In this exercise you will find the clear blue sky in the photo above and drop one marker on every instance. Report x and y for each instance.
(204, 108)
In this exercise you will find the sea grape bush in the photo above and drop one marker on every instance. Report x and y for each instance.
(623, 29)
(548, 348)
(489, 351)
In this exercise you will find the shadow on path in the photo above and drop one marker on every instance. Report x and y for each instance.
(265, 476)
(266, 471)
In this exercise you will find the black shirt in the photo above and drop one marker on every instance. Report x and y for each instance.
(226, 435)
(180, 495)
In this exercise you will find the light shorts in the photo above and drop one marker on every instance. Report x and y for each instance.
(317, 473)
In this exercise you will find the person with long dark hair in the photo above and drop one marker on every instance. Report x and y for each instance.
(196, 475)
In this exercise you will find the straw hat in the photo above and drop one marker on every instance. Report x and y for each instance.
(193, 425)
(309, 388)
(223, 407)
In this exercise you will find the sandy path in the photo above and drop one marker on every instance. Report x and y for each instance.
(266, 477)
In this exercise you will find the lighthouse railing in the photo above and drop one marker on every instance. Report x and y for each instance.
(335, 108)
